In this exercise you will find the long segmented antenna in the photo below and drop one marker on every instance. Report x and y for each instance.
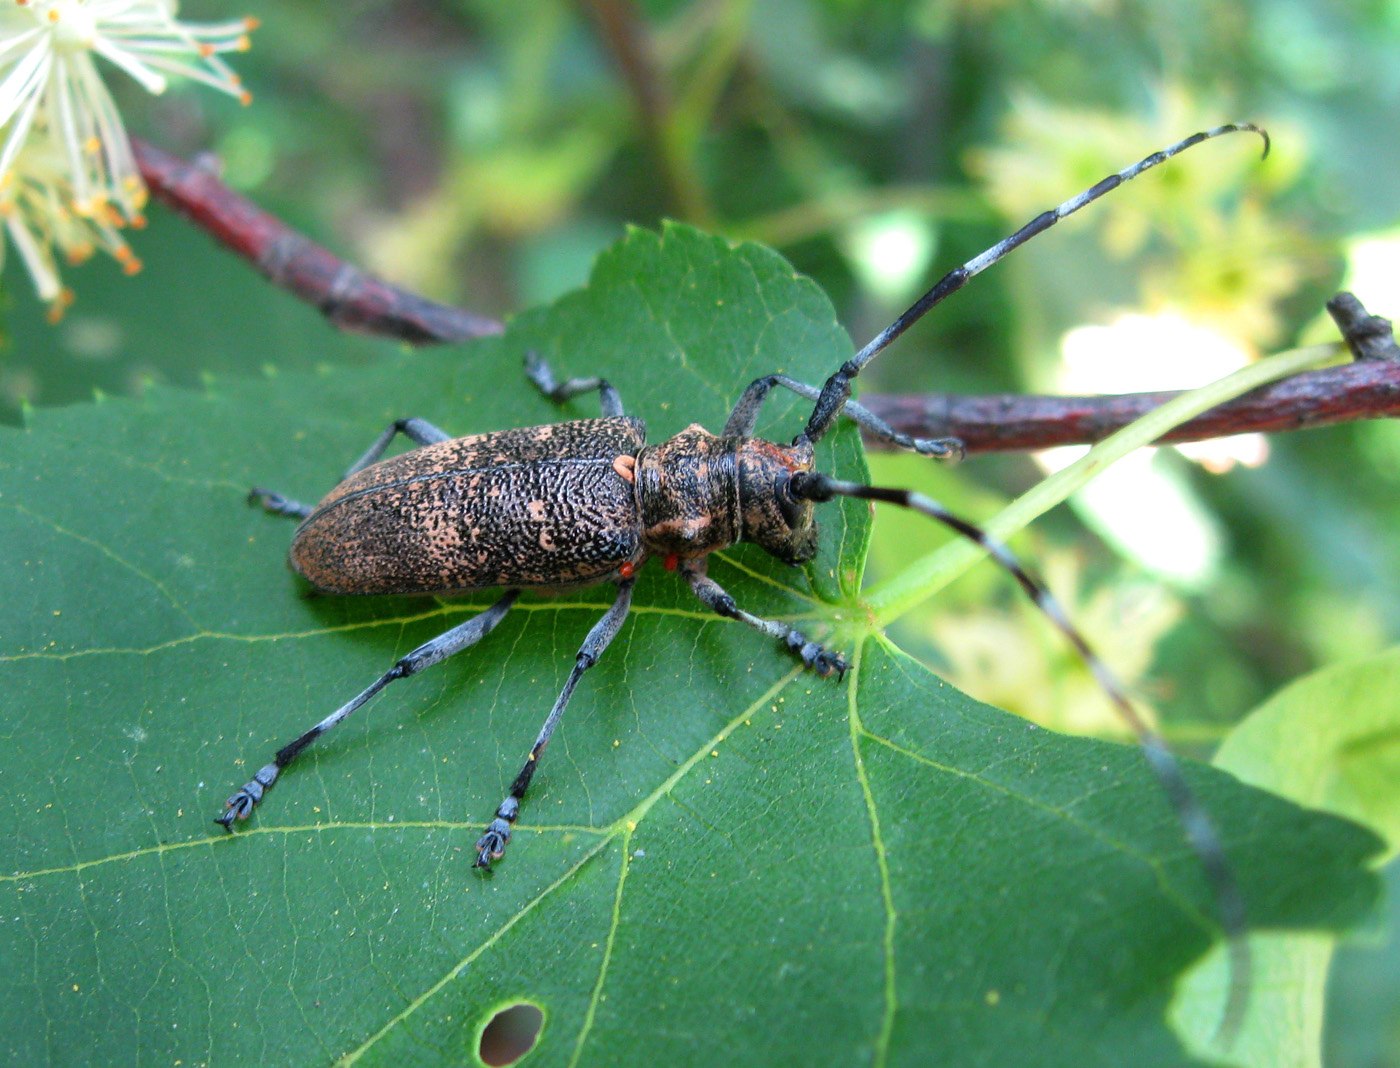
(835, 393)
(1200, 830)
(837, 389)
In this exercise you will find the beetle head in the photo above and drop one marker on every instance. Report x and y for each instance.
(772, 516)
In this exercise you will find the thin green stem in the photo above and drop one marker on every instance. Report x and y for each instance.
(888, 600)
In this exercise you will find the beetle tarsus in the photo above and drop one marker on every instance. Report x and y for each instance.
(277, 504)
(814, 657)
(817, 657)
(491, 846)
(951, 450)
(240, 806)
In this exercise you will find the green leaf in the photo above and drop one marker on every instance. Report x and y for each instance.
(722, 858)
(1331, 740)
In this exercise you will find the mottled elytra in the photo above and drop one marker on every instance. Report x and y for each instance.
(589, 501)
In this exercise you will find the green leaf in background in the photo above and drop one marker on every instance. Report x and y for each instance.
(1332, 741)
(722, 859)
(170, 323)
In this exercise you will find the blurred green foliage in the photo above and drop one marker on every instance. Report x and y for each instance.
(483, 153)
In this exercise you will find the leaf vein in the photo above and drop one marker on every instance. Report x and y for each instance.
(882, 1041)
(608, 943)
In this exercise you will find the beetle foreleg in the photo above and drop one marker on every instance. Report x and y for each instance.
(744, 418)
(820, 659)
(241, 804)
(492, 844)
(540, 375)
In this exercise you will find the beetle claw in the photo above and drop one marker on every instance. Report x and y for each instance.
(240, 805)
(491, 846)
(237, 807)
(816, 657)
(276, 503)
(836, 664)
(950, 449)
(825, 663)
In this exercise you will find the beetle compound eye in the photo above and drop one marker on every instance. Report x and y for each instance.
(788, 504)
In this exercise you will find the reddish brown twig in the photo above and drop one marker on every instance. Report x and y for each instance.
(1366, 389)
(347, 296)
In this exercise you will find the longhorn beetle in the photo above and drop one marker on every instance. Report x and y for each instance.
(587, 501)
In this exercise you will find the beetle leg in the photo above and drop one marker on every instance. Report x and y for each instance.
(277, 504)
(817, 657)
(418, 431)
(492, 844)
(241, 804)
(744, 418)
(540, 375)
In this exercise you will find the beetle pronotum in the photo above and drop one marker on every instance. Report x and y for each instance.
(587, 502)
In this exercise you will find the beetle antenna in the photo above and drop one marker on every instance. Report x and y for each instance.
(1199, 829)
(837, 389)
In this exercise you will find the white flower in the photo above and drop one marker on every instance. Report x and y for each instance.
(36, 210)
(49, 80)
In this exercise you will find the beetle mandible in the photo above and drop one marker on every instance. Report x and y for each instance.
(588, 501)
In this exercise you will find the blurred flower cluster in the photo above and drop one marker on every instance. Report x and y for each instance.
(68, 180)
(1230, 262)
(990, 651)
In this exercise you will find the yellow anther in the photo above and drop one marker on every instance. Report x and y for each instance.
(60, 304)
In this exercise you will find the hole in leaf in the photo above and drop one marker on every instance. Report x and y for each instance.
(510, 1034)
